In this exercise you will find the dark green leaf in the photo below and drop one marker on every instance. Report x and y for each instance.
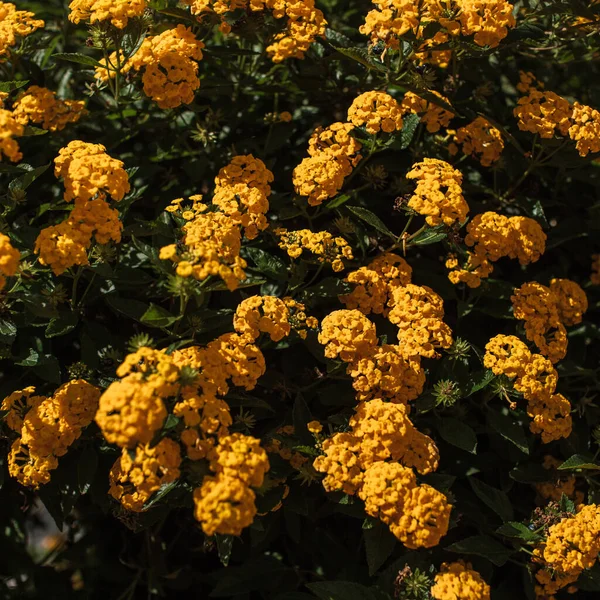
(224, 547)
(301, 416)
(508, 429)
(67, 321)
(517, 530)
(482, 545)
(267, 264)
(458, 434)
(345, 590)
(578, 461)
(9, 86)
(495, 499)
(379, 545)
(430, 236)
(156, 316)
(409, 127)
(86, 468)
(477, 381)
(529, 473)
(373, 220)
(8, 330)
(80, 59)
(130, 308)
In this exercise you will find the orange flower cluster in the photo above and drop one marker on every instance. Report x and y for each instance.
(536, 378)
(433, 115)
(487, 20)
(492, 237)
(241, 192)
(547, 114)
(89, 176)
(572, 545)
(459, 581)
(333, 153)
(98, 11)
(546, 311)
(46, 428)
(41, 106)
(377, 111)
(9, 129)
(373, 460)
(325, 247)
(479, 139)
(9, 259)
(15, 24)
(375, 283)
(305, 22)
(438, 194)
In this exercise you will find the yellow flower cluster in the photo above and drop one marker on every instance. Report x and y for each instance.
(546, 311)
(89, 175)
(262, 314)
(561, 483)
(432, 115)
(357, 462)
(375, 283)
(9, 129)
(9, 259)
(418, 311)
(547, 114)
(241, 192)
(305, 22)
(299, 321)
(324, 246)
(386, 373)
(479, 139)
(377, 111)
(15, 24)
(347, 335)
(41, 106)
(536, 379)
(87, 170)
(418, 515)
(572, 545)
(118, 12)
(458, 581)
(137, 475)
(487, 20)
(333, 153)
(225, 503)
(438, 195)
(47, 427)
(494, 236)
(211, 246)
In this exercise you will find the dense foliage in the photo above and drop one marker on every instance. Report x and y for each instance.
(300, 301)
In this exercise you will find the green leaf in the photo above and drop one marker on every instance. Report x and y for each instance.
(431, 235)
(508, 429)
(86, 468)
(9, 86)
(65, 323)
(345, 590)
(165, 488)
(267, 264)
(362, 56)
(482, 545)
(29, 177)
(579, 461)
(30, 131)
(130, 308)
(373, 220)
(224, 547)
(80, 59)
(8, 330)
(495, 499)
(478, 380)
(529, 473)
(409, 127)
(458, 434)
(330, 287)
(301, 416)
(379, 545)
(338, 201)
(517, 530)
(156, 316)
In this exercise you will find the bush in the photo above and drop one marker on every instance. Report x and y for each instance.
(299, 302)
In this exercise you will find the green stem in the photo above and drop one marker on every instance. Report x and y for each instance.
(74, 288)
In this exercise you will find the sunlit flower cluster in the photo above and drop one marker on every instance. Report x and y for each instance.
(15, 24)
(118, 12)
(479, 139)
(459, 581)
(46, 428)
